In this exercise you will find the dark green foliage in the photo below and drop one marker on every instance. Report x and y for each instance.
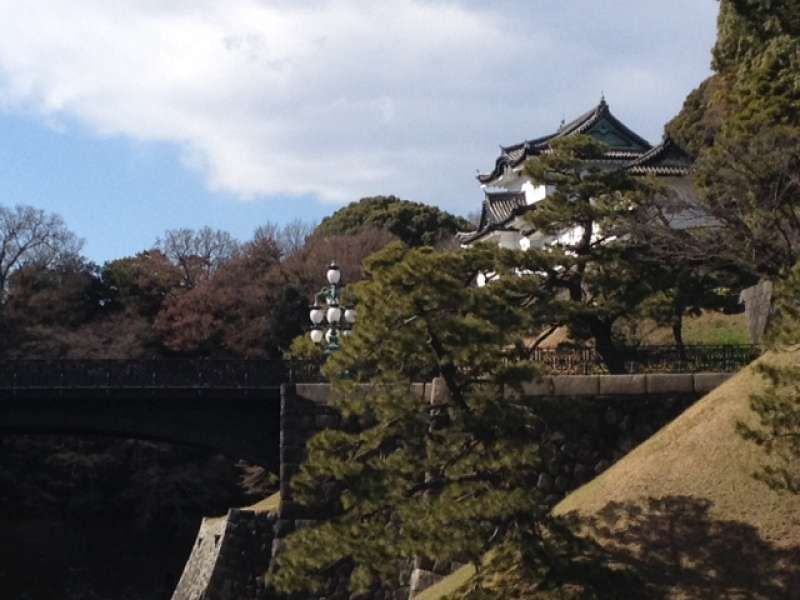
(590, 278)
(450, 480)
(414, 223)
(141, 283)
(778, 406)
(750, 178)
(745, 26)
(743, 125)
(67, 294)
(757, 74)
(698, 123)
(688, 290)
(751, 184)
(288, 317)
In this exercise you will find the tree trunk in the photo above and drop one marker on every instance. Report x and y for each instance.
(611, 355)
(677, 333)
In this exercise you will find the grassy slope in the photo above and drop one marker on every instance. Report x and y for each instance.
(700, 455)
(708, 328)
(268, 504)
(684, 513)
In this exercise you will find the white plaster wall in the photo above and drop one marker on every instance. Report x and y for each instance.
(534, 193)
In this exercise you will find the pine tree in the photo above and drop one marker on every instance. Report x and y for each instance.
(594, 271)
(449, 480)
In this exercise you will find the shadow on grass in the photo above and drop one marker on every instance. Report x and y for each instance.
(672, 547)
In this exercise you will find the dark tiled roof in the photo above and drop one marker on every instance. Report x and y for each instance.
(498, 210)
(500, 207)
(665, 159)
(599, 122)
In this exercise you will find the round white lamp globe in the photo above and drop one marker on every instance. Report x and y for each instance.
(334, 314)
(333, 274)
(316, 315)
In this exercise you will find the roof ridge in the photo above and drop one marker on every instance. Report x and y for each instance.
(577, 126)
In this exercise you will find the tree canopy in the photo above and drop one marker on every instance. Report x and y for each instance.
(414, 223)
(743, 124)
(591, 272)
(30, 236)
(449, 480)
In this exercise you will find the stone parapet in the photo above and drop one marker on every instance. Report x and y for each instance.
(608, 416)
(650, 384)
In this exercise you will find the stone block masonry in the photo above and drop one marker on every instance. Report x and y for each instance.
(306, 410)
(230, 556)
(588, 423)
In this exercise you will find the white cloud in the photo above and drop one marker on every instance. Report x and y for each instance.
(339, 98)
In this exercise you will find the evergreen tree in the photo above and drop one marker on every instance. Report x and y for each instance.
(744, 127)
(407, 478)
(593, 271)
(749, 178)
(414, 223)
(778, 406)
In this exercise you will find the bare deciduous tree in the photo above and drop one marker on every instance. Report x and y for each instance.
(294, 235)
(290, 239)
(29, 235)
(198, 253)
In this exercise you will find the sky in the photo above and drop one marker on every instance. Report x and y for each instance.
(132, 118)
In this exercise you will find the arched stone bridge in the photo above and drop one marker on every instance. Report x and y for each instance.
(228, 406)
(234, 406)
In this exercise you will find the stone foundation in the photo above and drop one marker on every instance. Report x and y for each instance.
(588, 423)
(230, 557)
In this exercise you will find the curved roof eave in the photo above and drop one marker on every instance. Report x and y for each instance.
(575, 127)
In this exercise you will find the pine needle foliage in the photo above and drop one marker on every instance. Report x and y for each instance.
(778, 406)
(593, 272)
(408, 478)
(743, 125)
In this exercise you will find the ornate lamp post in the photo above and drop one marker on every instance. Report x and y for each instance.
(328, 308)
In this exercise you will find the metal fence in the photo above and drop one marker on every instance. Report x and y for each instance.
(649, 359)
(142, 374)
(588, 361)
(255, 374)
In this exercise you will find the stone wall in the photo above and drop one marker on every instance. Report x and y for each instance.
(230, 556)
(588, 423)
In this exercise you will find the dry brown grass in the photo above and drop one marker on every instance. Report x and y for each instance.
(268, 504)
(682, 513)
(701, 455)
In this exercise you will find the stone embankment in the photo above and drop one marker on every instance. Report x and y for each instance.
(230, 556)
(587, 424)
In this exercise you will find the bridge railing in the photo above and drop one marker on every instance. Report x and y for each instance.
(255, 374)
(142, 374)
(588, 361)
